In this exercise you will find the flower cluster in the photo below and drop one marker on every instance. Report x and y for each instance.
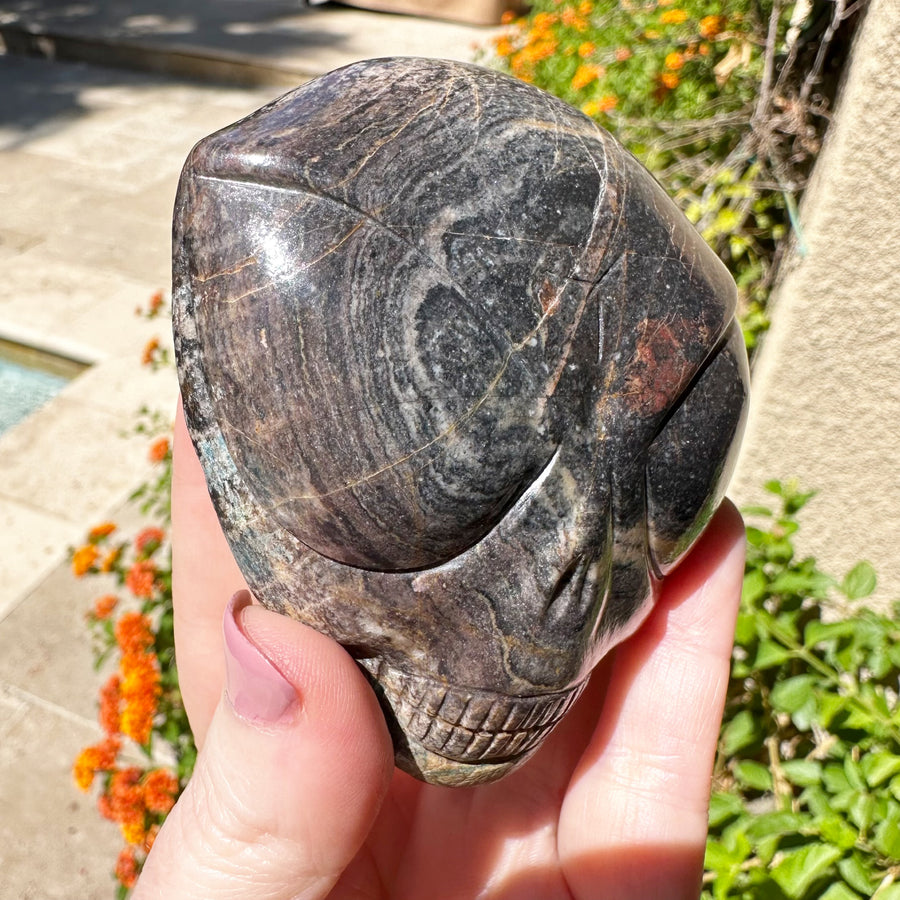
(156, 306)
(611, 55)
(154, 354)
(140, 709)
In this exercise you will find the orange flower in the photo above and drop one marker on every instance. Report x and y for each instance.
(603, 105)
(140, 579)
(148, 540)
(134, 831)
(674, 61)
(103, 606)
(703, 50)
(623, 53)
(110, 704)
(673, 17)
(110, 560)
(585, 74)
(140, 693)
(710, 26)
(586, 49)
(159, 449)
(125, 804)
(127, 868)
(542, 22)
(504, 47)
(607, 102)
(669, 80)
(156, 301)
(542, 49)
(83, 559)
(98, 758)
(138, 715)
(150, 351)
(508, 17)
(160, 790)
(133, 634)
(573, 20)
(586, 7)
(101, 531)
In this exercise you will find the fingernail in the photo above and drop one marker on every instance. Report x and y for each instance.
(255, 688)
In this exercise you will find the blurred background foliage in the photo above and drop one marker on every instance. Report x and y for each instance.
(725, 101)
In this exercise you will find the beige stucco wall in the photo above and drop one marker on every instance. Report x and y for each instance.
(826, 404)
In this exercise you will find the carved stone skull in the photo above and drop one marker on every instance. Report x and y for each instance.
(465, 385)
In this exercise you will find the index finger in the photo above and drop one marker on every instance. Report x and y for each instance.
(637, 806)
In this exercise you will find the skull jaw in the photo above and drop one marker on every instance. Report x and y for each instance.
(457, 736)
(423, 764)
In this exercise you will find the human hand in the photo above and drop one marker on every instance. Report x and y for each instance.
(294, 794)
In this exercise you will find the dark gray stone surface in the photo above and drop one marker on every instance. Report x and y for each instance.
(465, 385)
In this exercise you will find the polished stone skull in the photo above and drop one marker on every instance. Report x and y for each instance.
(465, 385)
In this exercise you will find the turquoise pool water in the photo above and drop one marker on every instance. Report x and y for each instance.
(28, 379)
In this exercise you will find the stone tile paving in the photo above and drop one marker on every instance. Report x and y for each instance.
(85, 206)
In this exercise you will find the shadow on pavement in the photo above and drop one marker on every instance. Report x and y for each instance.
(261, 28)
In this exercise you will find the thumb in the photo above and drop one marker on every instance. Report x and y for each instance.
(291, 776)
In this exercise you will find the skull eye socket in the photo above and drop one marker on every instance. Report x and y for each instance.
(692, 458)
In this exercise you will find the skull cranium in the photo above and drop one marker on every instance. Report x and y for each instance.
(465, 385)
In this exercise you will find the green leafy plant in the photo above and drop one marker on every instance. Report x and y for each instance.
(806, 799)
(725, 102)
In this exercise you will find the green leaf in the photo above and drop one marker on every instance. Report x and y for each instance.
(817, 632)
(797, 872)
(855, 871)
(860, 581)
(756, 537)
(862, 811)
(742, 731)
(887, 836)
(802, 772)
(835, 779)
(817, 801)
(794, 693)
(755, 586)
(776, 823)
(795, 583)
(839, 891)
(877, 767)
(753, 775)
(722, 807)
(835, 830)
(829, 705)
(757, 511)
(794, 500)
(770, 654)
(745, 630)
(854, 774)
(723, 855)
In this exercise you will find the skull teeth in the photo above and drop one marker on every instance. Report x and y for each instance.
(464, 724)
